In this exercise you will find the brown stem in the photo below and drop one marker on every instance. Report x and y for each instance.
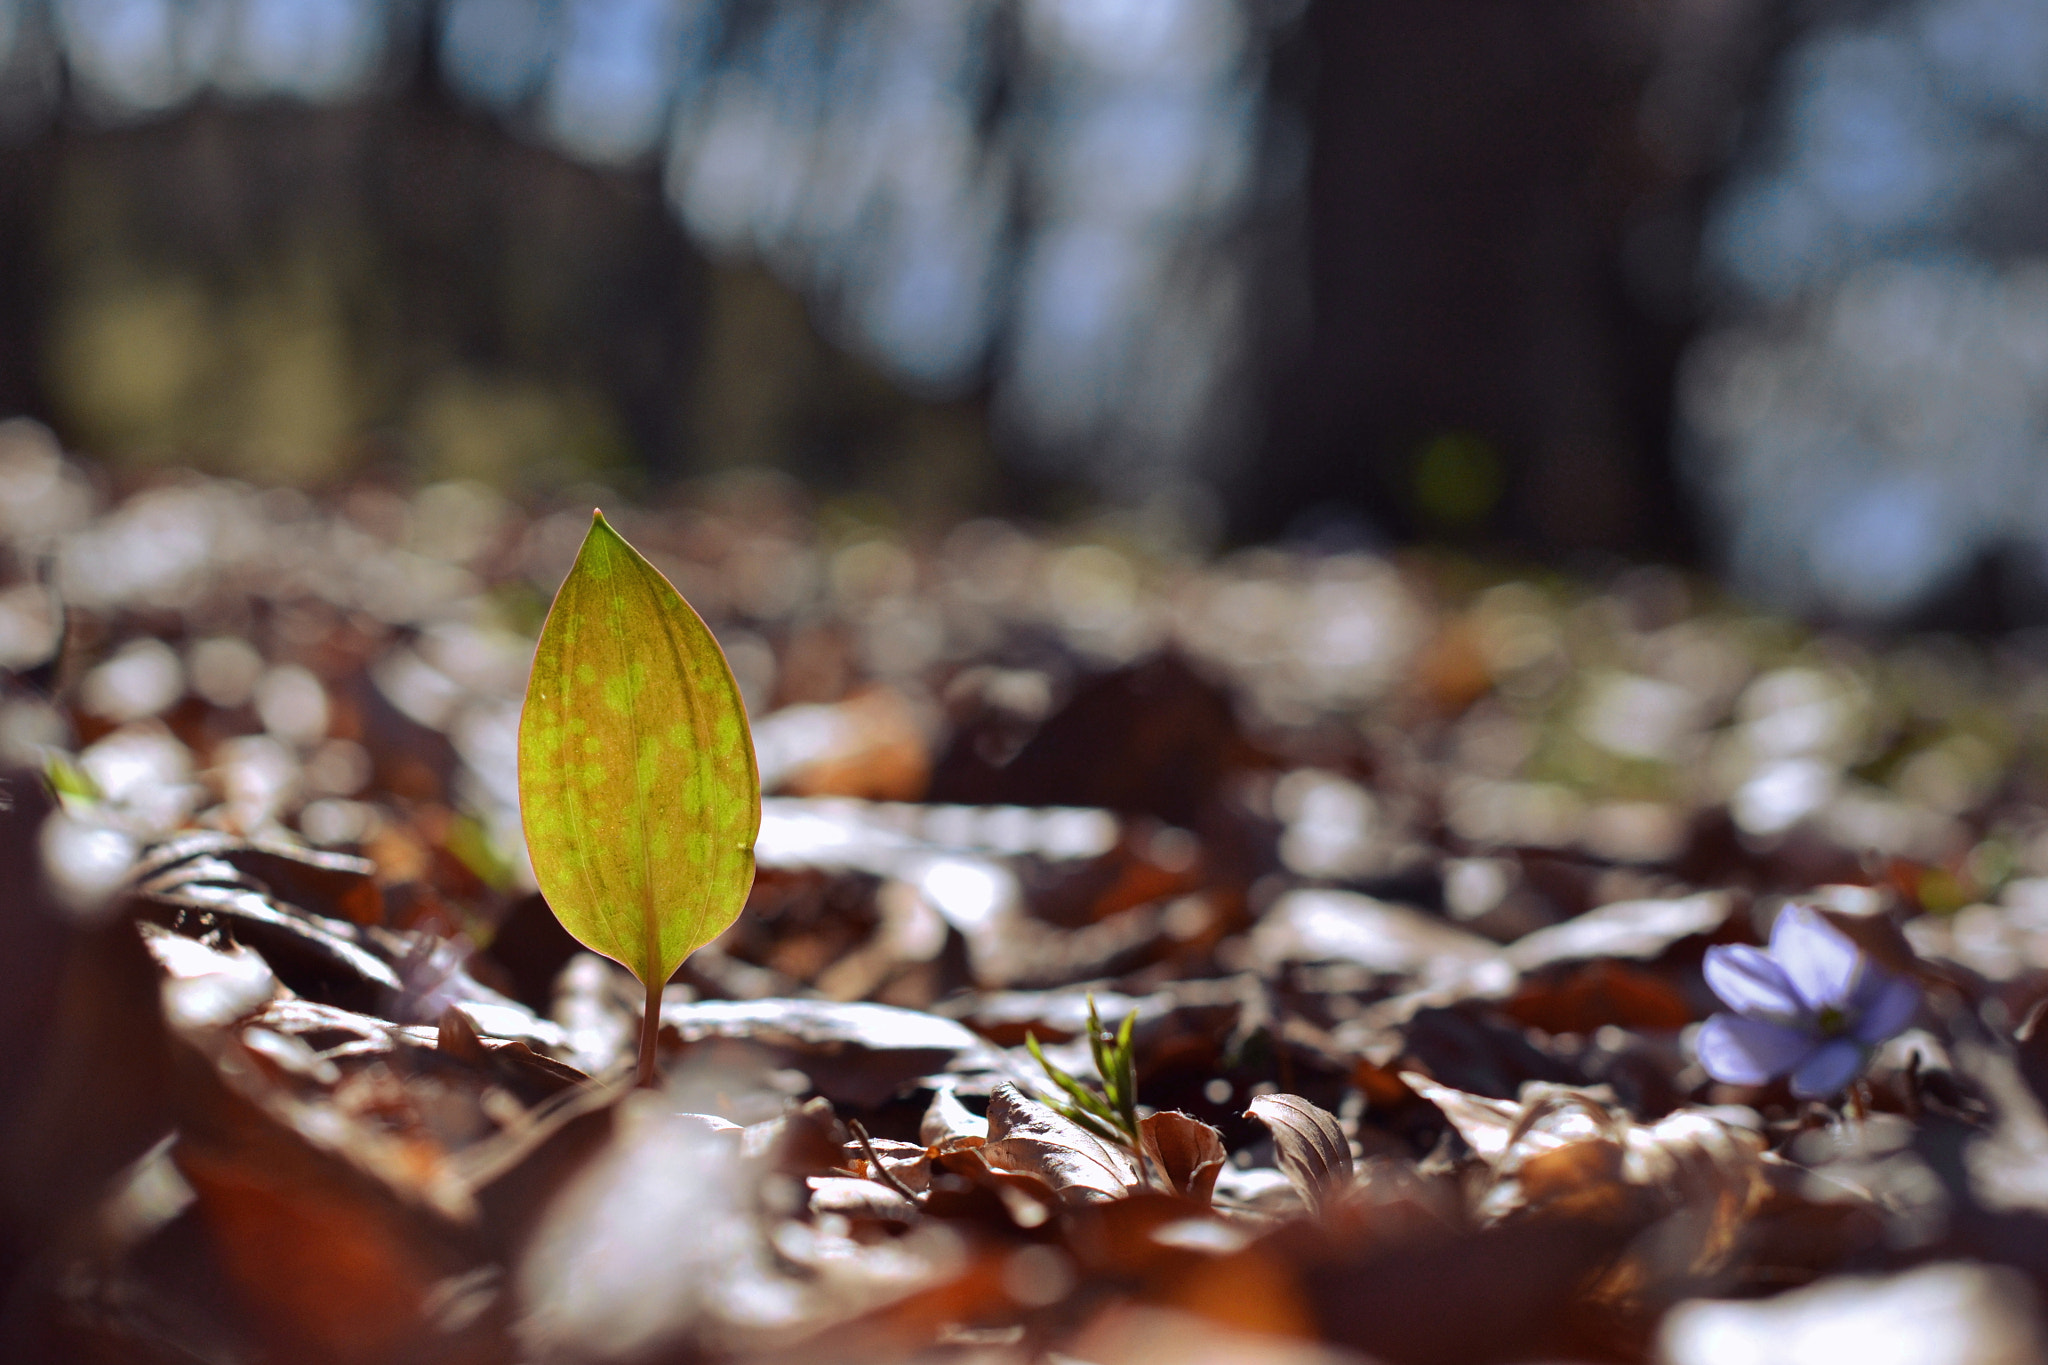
(875, 1167)
(650, 1037)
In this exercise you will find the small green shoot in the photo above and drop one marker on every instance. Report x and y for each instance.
(72, 783)
(1109, 1111)
(637, 785)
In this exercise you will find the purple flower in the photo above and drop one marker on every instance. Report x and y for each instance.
(1812, 1006)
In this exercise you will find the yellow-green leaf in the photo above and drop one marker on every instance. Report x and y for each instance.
(637, 783)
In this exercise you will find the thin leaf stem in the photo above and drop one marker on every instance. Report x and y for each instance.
(875, 1167)
(650, 1038)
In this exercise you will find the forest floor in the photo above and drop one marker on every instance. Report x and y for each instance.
(1404, 869)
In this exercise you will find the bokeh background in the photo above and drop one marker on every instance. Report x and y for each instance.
(1373, 530)
(1746, 286)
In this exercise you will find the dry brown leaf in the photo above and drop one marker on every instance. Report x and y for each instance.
(1187, 1151)
(801, 1141)
(859, 1199)
(871, 745)
(948, 1118)
(1311, 1146)
(332, 1274)
(336, 885)
(457, 1037)
(909, 1163)
(1625, 929)
(1025, 1198)
(334, 1233)
(85, 1073)
(1320, 924)
(1128, 1334)
(1561, 1151)
(674, 1233)
(1029, 1138)
(856, 1053)
(1584, 997)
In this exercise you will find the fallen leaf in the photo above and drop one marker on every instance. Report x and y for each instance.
(1154, 737)
(321, 882)
(1311, 1146)
(1321, 925)
(1949, 1311)
(668, 1238)
(1583, 997)
(1632, 929)
(1565, 1152)
(946, 1119)
(858, 1053)
(1187, 1151)
(910, 1163)
(319, 958)
(1134, 1335)
(871, 745)
(1029, 1138)
(2007, 1161)
(333, 1227)
(859, 1198)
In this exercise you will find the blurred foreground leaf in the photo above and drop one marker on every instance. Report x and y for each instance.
(637, 783)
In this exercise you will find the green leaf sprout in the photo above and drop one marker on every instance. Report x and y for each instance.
(1110, 1110)
(637, 784)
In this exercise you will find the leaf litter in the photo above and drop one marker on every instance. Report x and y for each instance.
(1404, 875)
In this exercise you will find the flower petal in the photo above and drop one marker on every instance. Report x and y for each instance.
(1818, 958)
(1884, 1005)
(1831, 1067)
(1748, 982)
(1749, 1051)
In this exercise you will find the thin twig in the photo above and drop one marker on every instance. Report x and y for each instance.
(875, 1167)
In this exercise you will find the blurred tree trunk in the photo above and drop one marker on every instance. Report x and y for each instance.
(1503, 209)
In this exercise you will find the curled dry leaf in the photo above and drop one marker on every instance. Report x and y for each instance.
(826, 1026)
(947, 1118)
(1311, 1145)
(335, 885)
(800, 1141)
(2007, 1162)
(320, 958)
(1187, 1151)
(199, 884)
(205, 986)
(422, 1119)
(1028, 1138)
(1561, 1151)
